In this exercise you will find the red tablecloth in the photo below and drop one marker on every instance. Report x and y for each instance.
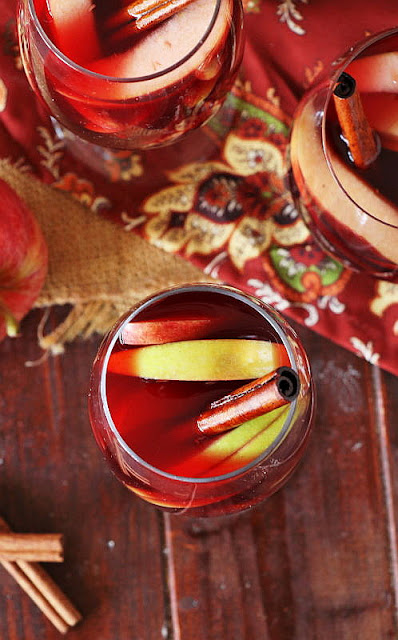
(220, 199)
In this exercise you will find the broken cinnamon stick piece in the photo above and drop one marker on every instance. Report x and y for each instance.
(34, 547)
(250, 401)
(361, 140)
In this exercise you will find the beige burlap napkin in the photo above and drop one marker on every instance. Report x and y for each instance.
(94, 264)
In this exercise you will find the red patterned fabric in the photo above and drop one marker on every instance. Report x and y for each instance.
(220, 198)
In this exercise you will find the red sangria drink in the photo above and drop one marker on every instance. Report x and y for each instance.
(344, 158)
(201, 400)
(131, 74)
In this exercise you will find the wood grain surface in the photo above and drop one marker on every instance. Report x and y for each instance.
(316, 561)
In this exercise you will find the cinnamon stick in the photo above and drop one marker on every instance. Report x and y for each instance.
(360, 138)
(250, 401)
(35, 595)
(43, 591)
(140, 15)
(36, 547)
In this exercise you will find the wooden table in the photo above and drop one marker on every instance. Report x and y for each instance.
(318, 560)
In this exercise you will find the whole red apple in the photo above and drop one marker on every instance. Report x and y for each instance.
(23, 260)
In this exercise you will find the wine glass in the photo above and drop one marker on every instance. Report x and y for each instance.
(112, 85)
(351, 204)
(145, 420)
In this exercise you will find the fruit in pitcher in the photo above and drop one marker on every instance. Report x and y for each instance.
(223, 359)
(23, 260)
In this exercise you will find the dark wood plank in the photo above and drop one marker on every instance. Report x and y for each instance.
(313, 563)
(387, 395)
(53, 478)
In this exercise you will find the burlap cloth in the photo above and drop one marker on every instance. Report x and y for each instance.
(94, 265)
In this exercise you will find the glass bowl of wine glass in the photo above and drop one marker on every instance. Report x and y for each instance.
(123, 75)
(344, 158)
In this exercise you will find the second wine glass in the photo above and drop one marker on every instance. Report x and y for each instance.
(352, 210)
(123, 88)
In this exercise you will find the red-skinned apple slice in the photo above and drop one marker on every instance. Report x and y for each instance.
(23, 260)
(201, 360)
(74, 26)
(307, 153)
(146, 332)
(234, 449)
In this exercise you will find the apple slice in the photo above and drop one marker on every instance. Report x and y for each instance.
(376, 73)
(74, 29)
(146, 332)
(164, 47)
(382, 113)
(234, 449)
(307, 154)
(201, 360)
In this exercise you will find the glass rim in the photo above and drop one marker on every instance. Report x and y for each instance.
(121, 80)
(114, 335)
(348, 57)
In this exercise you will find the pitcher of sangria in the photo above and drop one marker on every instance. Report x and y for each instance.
(131, 75)
(344, 158)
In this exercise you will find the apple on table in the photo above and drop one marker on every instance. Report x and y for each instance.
(23, 260)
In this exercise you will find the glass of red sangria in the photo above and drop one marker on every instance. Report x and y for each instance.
(344, 158)
(201, 400)
(131, 74)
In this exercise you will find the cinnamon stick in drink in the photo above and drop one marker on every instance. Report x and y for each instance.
(140, 15)
(35, 547)
(250, 401)
(361, 140)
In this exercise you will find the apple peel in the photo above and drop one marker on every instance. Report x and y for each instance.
(146, 332)
(201, 360)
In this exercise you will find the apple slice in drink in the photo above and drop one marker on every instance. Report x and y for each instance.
(234, 449)
(378, 73)
(162, 48)
(146, 332)
(201, 360)
(381, 110)
(74, 29)
(317, 183)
